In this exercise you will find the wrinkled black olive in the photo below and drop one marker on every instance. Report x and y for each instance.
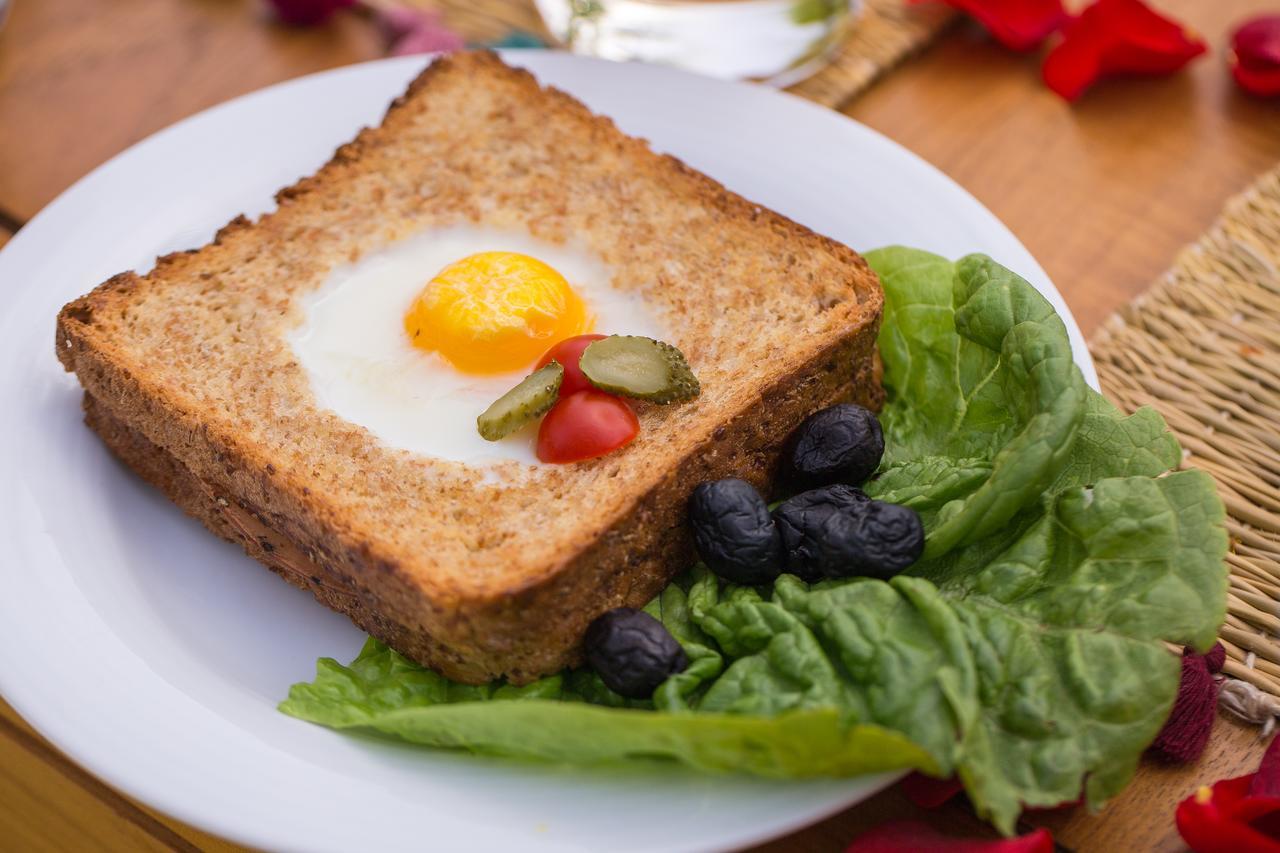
(734, 533)
(632, 652)
(815, 528)
(840, 444)
(887, 539)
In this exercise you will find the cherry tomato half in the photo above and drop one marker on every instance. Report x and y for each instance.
(569, 352)
(585, 425)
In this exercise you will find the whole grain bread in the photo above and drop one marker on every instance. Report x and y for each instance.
(190, 379)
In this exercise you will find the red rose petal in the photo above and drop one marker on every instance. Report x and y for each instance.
(1114, 37)
(1216, 820)
(1255, 810)
(1236, 815)
(1268, 824)
(910, 836)
(1257, 42)
(1016, 24)
(1264, 83)
(1071, 68)
(926, 792)
(1266, 782)
(1255, 55)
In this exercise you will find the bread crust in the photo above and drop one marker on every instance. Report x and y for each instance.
(495, 601)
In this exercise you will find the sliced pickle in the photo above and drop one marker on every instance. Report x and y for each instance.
(641, 368)
(532, 398)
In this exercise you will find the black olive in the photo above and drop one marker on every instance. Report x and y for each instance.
(734, 533)
(815, 529)
(632, 652)
(888, 538)
(840, 444)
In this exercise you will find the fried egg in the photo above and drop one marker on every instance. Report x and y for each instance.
(414, 341)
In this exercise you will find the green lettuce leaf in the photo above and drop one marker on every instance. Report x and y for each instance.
(1066, 627)
(554, 719)
(1024, 652)
(979, 369)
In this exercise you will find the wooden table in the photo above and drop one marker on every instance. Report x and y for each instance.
(1104, 193)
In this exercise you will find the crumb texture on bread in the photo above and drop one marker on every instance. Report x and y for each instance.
(476, 575)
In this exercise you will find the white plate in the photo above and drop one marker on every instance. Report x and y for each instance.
(154, 654)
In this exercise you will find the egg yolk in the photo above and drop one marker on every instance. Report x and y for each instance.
(495, 312)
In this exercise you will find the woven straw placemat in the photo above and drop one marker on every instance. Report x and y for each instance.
(1203, 348)
(887, 32)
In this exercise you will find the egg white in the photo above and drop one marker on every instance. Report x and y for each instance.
(360, 363)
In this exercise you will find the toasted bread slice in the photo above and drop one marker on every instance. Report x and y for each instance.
(191, 380)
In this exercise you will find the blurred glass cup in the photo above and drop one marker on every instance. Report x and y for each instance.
(777, 41)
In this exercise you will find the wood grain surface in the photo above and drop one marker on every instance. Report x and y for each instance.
(82, 80)
(1103, 192)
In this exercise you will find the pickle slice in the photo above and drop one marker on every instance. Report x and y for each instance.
(532, 398)
(641, 368)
